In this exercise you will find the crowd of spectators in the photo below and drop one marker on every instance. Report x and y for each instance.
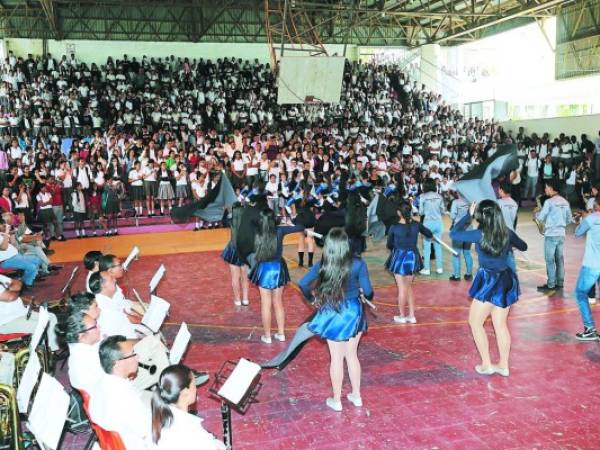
(83, 140)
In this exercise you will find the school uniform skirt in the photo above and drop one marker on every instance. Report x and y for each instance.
(342, 324)
(182, 191)
(165, 191)
(231, 256)
(306, 218)
(404, 262)
(137, 193)
(270, 274)
(499, 287)
(151, 188)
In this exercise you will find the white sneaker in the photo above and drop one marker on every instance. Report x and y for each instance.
(265, 339)
(484, 370)
(439, 270)
(592, 300)
(399, 319)
(245, 302)
(336, 406)
(279, 337)
(237, 303)
(425, 272)
(356, 401)
(410, 319)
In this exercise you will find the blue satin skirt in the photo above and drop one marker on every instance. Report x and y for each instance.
(499, 287)
(230, 255)
(404, 262)
(339, 325)
(270, 274)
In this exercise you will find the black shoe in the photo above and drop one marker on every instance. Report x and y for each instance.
(61, 238)
(468, 277)
(453, 278)
(588, 334)
(54, 267)
(545, 288)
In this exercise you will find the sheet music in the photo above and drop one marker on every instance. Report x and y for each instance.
(157, 277)
(135, 251)
(180, 344)
(40, 328)
(28, 381)
(49, 412)
(156, 313)
(239, 381)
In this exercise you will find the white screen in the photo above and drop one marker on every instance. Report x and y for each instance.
(316, 76)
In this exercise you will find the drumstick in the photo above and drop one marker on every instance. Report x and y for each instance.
(446, 246)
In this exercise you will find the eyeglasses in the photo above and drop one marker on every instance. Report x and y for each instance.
(133, 355)
(89, 329)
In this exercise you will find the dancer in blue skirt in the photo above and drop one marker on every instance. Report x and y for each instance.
(270, 272)
(495, 286)
(404, 260)
(338, 279)
(239, 272)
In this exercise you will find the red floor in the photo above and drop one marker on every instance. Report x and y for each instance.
(419, 388)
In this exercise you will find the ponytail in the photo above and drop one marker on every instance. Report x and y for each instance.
(172, 381)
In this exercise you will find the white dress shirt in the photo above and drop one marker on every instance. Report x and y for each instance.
(186, 432)
(10, 311)
(116, 405)
(113, 320)
(85, 370)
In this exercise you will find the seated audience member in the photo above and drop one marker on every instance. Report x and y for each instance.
(115, 403)
(10, 258)
(172, 426)
(13, 313)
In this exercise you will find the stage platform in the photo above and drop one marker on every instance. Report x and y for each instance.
(419, 388)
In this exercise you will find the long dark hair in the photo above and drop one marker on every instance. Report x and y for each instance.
(336, 264)
(172, 381)
(265, 241)
(405, 211)
(495, 237)
(237, 209)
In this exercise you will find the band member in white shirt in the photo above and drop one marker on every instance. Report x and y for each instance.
(115, 403)
(172, 426)
(14, 314)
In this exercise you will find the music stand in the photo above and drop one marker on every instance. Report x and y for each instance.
(251, 391)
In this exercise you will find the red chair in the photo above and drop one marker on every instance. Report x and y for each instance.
(108, 440)
(6, 338)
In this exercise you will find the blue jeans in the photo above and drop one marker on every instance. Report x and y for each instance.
(530, 187)
(456, 262)
(587, 278)
(28, 264)
(436, 227)
(555, 262)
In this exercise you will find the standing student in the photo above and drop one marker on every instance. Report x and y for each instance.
(239, 272)
(495, 287)
(458, 209)
(305, 216)
(182, 189)
(150, 186)
(78, 203)
(556, 215)
(136, 188)
(94, 206)
(46, 213)
(270, 273)
(589, 226)
(172, 425)
(165, 190)
(404, 260)
(110, 205)
(509, 209)
(338, 280)
(431, 207)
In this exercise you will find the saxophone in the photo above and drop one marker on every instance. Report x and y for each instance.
(539, 223)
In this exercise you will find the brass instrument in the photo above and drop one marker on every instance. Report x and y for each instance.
(21, 359)
(10, 424)
(540, 224)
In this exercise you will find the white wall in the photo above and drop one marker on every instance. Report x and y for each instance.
(576, 125)
(98, 51)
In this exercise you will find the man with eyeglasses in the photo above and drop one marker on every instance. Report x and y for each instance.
(111, 266)
(83, 337)
(115, 403)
